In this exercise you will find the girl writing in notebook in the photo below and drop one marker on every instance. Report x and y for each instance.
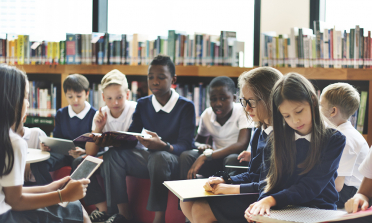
(28, 204)
(305, 155)
(255, 86)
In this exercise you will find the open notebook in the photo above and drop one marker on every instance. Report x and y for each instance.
(187, 190)
(310, 215)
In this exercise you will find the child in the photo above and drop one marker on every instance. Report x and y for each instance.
(255, 86)
(305, 156)
(227, 124)
(166, 114)
(28, 204)
(115, 116)
(338, 102)
(70, 122)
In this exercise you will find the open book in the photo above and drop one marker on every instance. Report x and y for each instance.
(187, 190)
(310, 215)
(118, 135)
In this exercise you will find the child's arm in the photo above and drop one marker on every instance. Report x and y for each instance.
(99, 122)
(361, 198)
(57, 131)
(22, 199)
(339, 183)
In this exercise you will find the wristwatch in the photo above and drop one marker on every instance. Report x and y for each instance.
(208, 153)
(167, 147)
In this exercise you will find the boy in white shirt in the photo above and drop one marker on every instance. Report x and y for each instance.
(338, 102)
(115, 116)
(226, 122)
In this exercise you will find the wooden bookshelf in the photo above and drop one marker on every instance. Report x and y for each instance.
(210, 71)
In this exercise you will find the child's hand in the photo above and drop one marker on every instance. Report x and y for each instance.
(260, 207)
(154, 143)
(244, 156)
(75, 190)
(44, 147)
(28, 173)
(57, 184)
(353, 204)
(203, 147)
(226, 189)
(77, 152)
(100, 120)
(196, 167)
(105, 140)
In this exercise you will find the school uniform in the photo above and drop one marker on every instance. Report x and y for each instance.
(55, 213)
(316, 188)
(231, 208)
(68, 125)
(95, 193)
(365, 167)
(223, 136)
(355, 151)
(174, 123)
(31, 135)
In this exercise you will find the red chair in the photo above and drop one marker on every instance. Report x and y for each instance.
(138, 193)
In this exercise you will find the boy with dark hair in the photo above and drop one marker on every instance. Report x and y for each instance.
(338, 102)
(225, 121)
(170, 120)
(70, 122)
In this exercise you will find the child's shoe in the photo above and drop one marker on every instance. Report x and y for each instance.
(98, 216)
(117, 218)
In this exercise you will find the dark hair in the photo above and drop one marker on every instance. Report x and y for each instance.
(293, 87)
(223, 81)
(12, 94)
(261, 80)
(164, 61)
(76, 82)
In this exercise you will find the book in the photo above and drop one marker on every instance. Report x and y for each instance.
(118, 135)
(362, 111)
(307, 215)
(187, 190)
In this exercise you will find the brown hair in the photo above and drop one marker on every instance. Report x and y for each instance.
(343, 96)
(293, 87)
(261, 80)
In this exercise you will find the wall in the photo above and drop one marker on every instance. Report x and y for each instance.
(281, 15)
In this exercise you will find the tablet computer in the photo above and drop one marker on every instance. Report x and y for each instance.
(61, 146)
(85, 170)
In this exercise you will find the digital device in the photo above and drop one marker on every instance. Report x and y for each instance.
(85, 170)
(56, 145)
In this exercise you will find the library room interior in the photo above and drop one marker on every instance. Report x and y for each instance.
(122, 111)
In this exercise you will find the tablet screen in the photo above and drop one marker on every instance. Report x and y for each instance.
(84, 170)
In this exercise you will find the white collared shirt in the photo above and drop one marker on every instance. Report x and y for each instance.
(82, 114)
(121, 123)
(169, 105)
(307, 137)
(268, 130)
(355, 151)
(31, 135)
(227, 134)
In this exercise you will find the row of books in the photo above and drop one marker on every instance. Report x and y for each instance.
(43, 99)
(136, 49)
(325, 46)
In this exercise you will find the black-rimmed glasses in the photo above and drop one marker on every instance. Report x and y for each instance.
(251, 102)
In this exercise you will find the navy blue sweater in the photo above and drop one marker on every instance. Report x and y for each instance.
(70, 128)
(251, 180)
(176, 127)
(317, 187)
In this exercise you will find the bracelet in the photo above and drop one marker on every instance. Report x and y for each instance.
(60, 195)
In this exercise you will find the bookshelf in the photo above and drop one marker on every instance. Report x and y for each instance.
(344, 74)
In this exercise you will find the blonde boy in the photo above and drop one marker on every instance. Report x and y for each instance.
(115, 116)
(338, 102)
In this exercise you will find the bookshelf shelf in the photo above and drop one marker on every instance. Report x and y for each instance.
(210, 71)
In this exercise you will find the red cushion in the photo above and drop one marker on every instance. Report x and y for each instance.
(61, 173)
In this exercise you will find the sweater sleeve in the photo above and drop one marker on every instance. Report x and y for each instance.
(57, 132)
(315, 181)
(186, 132)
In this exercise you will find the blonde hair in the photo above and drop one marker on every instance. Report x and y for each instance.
(261, 80)
(343, 96)
(114, 77)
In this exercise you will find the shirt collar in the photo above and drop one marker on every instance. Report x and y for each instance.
(82, 114)
(307, 137)
(268, 130)
(169, 105)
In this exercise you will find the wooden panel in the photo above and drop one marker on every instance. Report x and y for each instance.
(369, 131)
(359, 74)
(214, 71)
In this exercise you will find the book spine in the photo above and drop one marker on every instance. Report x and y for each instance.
(362, 111)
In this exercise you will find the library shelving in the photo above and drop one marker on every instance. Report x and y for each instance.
(331, 74)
